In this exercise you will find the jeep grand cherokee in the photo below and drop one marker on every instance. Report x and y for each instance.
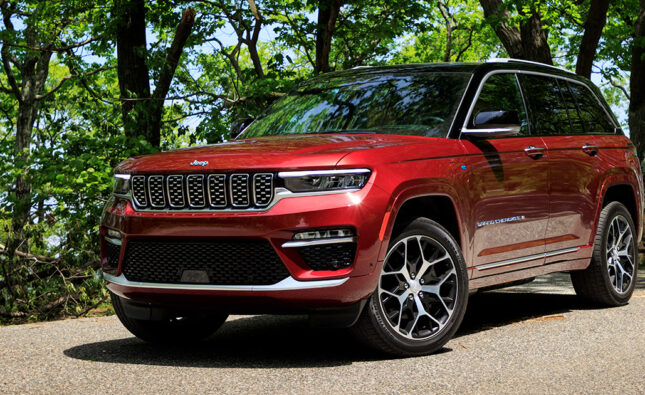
(378, 199)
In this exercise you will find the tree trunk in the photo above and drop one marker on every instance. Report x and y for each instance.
(529, 42)
(131, 67)
(141, 111)
(167, 74)
(593, 26)
(508, 35)
(637, 85)
(327, 14)
(252, 41)
(534, 40)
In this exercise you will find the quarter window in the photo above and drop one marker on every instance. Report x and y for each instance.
(501, 92)
(548, 110)
(592, 114)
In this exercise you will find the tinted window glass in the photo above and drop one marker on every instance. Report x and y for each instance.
(501, 92)
(573, 110)
(593, 115)
(548, 110)
(421, 104)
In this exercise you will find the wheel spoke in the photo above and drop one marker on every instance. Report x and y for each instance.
(413, 304)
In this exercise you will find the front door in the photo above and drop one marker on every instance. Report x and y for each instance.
(508, 182)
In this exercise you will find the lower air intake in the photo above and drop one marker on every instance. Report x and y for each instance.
(328, 256)
(217, 262)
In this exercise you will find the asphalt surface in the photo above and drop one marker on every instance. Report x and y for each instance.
(537, 338)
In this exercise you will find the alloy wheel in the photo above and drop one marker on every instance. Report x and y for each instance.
(620, 254)
(418, 287)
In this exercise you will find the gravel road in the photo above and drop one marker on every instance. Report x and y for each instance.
(536, 338)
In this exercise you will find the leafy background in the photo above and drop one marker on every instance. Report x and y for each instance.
(86, 84)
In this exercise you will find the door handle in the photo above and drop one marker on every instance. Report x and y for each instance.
(590, 149)
(534, 152)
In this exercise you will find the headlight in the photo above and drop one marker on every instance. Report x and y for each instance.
(121, 184)
(325, 180)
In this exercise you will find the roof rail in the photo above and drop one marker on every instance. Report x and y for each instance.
(513, 60)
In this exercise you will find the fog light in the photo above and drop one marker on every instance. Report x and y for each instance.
(115, 234)
(324, 234)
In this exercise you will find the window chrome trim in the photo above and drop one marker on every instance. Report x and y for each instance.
(123, 176)
(316, 242)
(526, 72)
(513, 261)
(255, 202)
(288, 284)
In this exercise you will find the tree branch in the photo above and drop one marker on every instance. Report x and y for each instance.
(174, 53)
(11, 78)
(67, 77)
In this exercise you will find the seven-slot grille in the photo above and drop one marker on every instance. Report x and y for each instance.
(202, 191)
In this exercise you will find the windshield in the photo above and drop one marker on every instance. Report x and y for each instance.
(420, 104)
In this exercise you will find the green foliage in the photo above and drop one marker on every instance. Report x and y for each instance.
(78, 134)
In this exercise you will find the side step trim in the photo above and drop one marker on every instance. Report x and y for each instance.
(513, 261)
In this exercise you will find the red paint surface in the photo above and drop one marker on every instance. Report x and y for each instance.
(559, 195)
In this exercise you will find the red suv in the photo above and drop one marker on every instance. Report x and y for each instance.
(378, 199)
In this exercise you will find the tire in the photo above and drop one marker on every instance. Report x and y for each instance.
(603, 282)
(441, 289)
(171, 330)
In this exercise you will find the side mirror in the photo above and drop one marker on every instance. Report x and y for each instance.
(500, 123)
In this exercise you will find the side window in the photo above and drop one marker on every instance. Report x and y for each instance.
(501, 93)
(592, 114)
(573, 109)
(548, 110)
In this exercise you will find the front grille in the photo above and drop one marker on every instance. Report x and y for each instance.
(328, 256)
(202, 191)
(224, 262)
(240, 190)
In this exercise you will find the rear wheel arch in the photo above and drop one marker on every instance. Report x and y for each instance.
(625, 194)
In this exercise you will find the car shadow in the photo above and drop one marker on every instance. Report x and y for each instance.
(287, 341)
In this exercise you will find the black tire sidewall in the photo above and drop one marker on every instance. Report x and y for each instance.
(424, 227)
(599, 255)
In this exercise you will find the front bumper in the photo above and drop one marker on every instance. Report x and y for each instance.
(304, 289)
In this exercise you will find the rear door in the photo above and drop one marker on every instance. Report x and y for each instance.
(568, 117)
(507, 180)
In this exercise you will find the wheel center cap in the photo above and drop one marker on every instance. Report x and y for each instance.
(614, 254)
(415, 287)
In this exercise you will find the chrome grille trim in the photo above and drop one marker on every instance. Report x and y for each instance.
(158, 200)
(216, 184)
(175, 194)
(266, 194)
(200, 199)
(139, 191)
(239, 190)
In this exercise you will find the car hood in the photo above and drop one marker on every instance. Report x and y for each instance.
(265, 153)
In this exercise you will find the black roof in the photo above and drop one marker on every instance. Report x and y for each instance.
(476, 68)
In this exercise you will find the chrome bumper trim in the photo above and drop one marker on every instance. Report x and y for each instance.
(288, 284)
(317, 242)
(493, 265)
(114, 241)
